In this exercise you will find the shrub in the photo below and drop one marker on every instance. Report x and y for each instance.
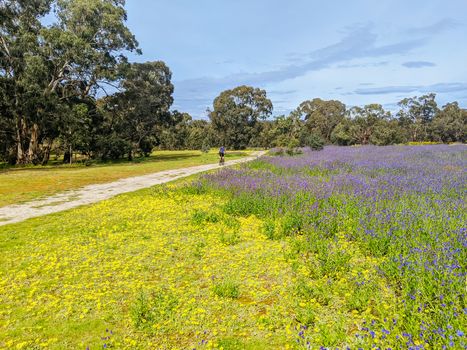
(314, 142)
(292, 147)
(277, 151)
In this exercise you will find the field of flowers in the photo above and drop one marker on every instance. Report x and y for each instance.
(358, 247)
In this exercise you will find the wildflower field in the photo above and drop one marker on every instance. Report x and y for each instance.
(348, 248)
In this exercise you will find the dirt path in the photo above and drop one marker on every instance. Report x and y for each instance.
(96, 193)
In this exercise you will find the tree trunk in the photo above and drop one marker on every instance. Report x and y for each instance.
(415, 134)
(67, 156)
(33, 150)
(27, 152)
(46, 152)
(20, 136)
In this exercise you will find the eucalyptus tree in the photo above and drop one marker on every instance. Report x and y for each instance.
(143, 105)
(45, 70)
(321, 116)
(416, 114)
(21, 71)
(450, 124)
(287, 131)
(236, 113)
(369, 124)
(176, 134)
(200, 135)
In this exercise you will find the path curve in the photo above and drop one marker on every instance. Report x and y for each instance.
(96, 193)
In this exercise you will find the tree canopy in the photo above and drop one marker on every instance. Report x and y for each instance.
(321, 116)
(236, 113)
(47, 71)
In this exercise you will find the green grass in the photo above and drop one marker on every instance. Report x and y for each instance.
(20, 184)
(227, 289)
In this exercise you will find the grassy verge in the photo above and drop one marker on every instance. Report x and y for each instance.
(22, 184)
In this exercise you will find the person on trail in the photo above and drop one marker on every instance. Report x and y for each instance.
(222, 154)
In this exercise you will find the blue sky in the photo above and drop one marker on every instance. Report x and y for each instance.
(359, 51)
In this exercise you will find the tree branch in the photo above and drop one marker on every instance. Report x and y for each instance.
(5, 46)
(55, 80)
(110, 84)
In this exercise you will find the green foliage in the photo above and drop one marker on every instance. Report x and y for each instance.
(341, 135)
(152, 308)
(205, 147)
(292, 147)
(333, 334)
(321, 117)
(314, 142)
(200, 216)
(286, 131)
(142, 106)
(51, 78)
(245, 205)
(200, 135)
(49, 70)
(269, 229)
(199, 249)
(450, 124)
(416, 114)
(332, 262)
(306, 315)
(174, 135)
(230, 344)
(291, 224)
(387, 132)
(227, 289)
(370, 124)
(362, 294)
(236, 113)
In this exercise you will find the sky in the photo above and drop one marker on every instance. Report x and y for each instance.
(358, 51)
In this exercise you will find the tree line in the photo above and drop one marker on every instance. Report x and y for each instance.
(240, 118)
(68, 87)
